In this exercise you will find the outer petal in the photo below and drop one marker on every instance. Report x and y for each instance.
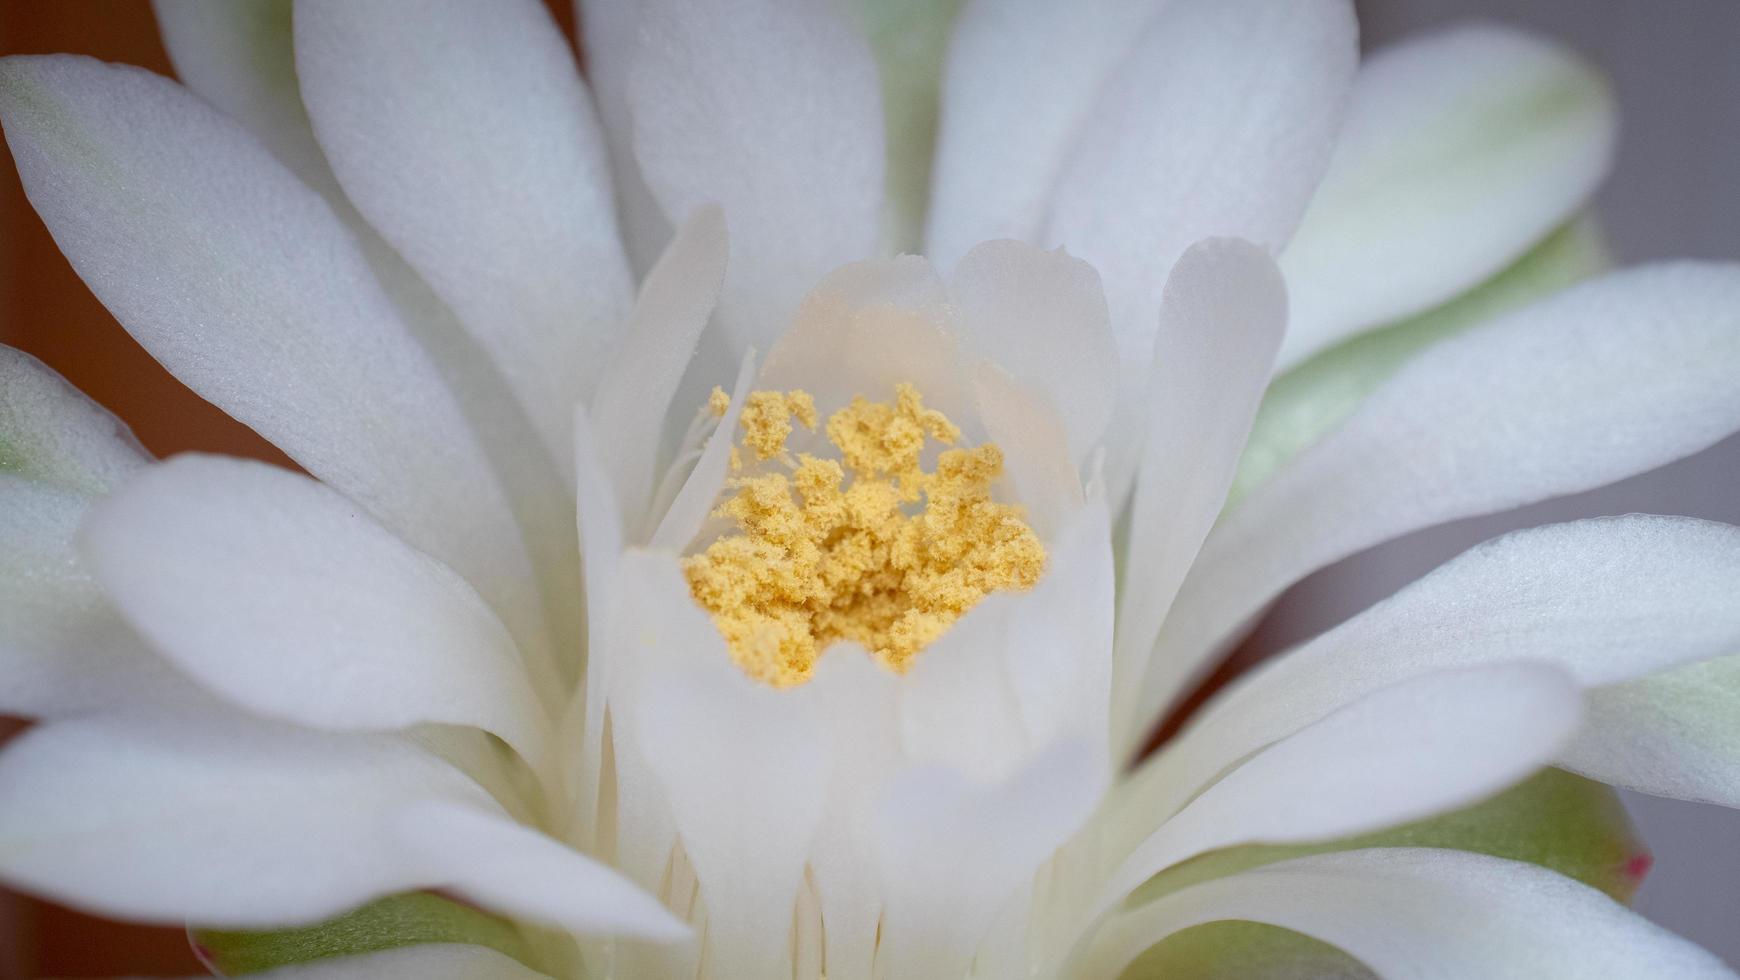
(464, 134)
(51, 433)
(1220, 122)
(232, 822)
(236, 54)
(1042, 317)
(1607, 379)
(610, 35)
(432, 961)
(770, 109)
(1674, 734)
(1461, 150)
(1019, 78)
(240, 280)
(1220, 322)
(516, 870)
(1409, 912)
(1607, 600)
(1311, 400)
(270, 589)
(62, 648)
(1412, 750)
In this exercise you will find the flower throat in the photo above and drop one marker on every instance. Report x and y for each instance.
(817, 558)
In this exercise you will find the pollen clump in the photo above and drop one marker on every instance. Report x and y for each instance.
(829, 550)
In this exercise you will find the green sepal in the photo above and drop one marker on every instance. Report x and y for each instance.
(1306, 403)
(1574, 826)
(389, 923)
(1244, 951)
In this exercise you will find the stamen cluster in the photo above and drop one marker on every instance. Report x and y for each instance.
(888, 558)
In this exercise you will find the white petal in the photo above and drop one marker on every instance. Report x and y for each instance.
(745, 767)
(1675, 734)
(601, 542)
(868, 326)
(1461, 150)
(1420, 747)
(210, 818)
(51, 432)
(1042, 317)
(511, 868)
(428, 961)
(240, 280)
(1309, 401)
(62, 648)
(634, 396)
(609, 35)
(1021, 670)
(463, 133)
(856, 700)
(771, 109)
(957, 709)
(236, 54)
(1606, 600)
(953, 851)
(683, 519)
(640, 623)
(1220, 123)
(1607, 379)
(1425, 914)
(1058, 659)
(1038, 469)
(272, 590)
(236, 823)
(1020, 77)
(1221, 320)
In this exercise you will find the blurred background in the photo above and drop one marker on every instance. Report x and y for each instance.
(1674, 193)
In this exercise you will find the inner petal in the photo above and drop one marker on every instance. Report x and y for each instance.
(871, 548)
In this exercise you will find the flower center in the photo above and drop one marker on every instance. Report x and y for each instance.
(817, 558)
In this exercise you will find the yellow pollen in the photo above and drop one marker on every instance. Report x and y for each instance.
(817, 558)
(718, 402)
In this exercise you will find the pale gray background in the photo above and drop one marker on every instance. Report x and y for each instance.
(1675, 192)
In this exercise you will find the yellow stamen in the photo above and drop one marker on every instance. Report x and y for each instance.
(818, 560)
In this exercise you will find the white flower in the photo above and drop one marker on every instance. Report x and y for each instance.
(269, 698)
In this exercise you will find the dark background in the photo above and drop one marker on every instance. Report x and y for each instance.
(1676, 68)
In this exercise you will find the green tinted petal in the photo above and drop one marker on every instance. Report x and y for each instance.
(1675, 733)
(399, 920)
(51, 433)
(910, 38)
(1304, 404)
(1572, 825)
